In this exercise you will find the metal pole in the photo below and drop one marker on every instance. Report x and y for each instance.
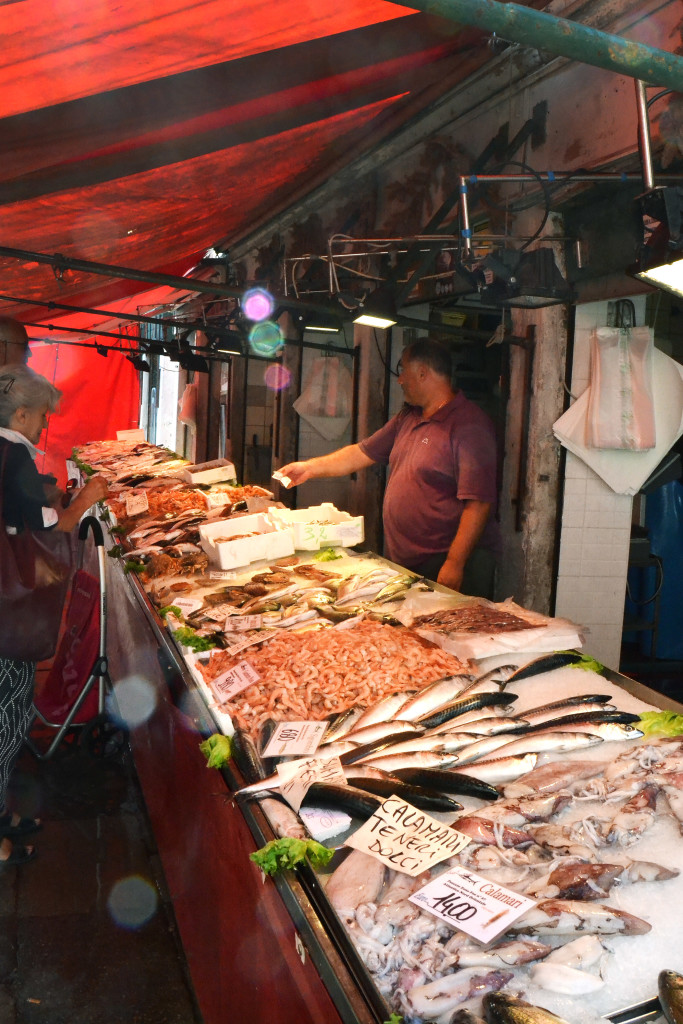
(644, 135)
(562, 37)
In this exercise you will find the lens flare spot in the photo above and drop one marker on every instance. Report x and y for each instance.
(277, 377)
(257, 304)
(132, 902)
(266, 338)
(134, 700)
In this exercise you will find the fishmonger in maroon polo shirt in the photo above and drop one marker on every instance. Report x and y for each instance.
(436, 464)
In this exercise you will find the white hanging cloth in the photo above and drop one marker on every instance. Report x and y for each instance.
(621, 411)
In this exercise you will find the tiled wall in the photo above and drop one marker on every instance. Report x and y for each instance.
(596, 525)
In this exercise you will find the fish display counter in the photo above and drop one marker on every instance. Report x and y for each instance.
(467, 773)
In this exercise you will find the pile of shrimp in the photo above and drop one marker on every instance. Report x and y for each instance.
(315, 674)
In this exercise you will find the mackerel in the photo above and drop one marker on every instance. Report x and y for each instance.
(385, 709)
(578, 718)
(541, 742)
(365, 750)
(343, 723)
(460, 707)
(380, 730)
(480, 726)
(389, 762)
(435, 695)
(568, 702)
(546, 663)
(470, 717)
(418, 796)
(446, 781)
(501, 769)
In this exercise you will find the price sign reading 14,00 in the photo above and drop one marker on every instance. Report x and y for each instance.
(471, 903)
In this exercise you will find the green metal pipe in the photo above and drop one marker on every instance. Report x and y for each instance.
(561, 37)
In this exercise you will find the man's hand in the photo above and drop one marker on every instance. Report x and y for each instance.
(450, 575)
(298, 473)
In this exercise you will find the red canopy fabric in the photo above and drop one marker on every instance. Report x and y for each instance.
(90, 410)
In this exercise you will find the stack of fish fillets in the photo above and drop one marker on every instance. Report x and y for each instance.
(565, 802)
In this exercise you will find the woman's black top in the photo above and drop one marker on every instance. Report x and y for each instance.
(23, 496)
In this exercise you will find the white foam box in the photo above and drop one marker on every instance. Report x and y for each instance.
(320, 526)
(209, 472)
(267, 540)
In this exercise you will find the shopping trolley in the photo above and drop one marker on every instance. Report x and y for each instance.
(72, 699)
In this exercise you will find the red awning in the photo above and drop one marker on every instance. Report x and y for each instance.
(144, 132)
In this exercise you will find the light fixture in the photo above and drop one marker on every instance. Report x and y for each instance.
(324, 323)
(138, 362)
(230, 344)
(660, 255)
(518, 279)
(378, 310)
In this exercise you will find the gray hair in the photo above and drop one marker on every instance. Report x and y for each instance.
(22, 388)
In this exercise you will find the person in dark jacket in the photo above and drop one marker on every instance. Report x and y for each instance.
(26, 399)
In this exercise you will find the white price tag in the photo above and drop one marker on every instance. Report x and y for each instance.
(472, 904)
(406, 839)
(249, 641)
(230, 683)
(221, 574)
(323, 823)
(284, 480)
(241, 623)
(73, 472)
(348, 532)
(298, 777)
(295, 738)
(218, 612)
(187, 605)
(136, 503)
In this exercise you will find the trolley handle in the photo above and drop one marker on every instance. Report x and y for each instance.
(90, 522)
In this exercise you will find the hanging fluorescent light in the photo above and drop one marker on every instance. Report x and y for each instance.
(323, 323)
(524, 280)
(660, 255)
(378, 310)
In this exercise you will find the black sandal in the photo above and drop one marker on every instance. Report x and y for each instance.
(24, 826)
(19, 855)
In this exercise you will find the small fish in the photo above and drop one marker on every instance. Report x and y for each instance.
(500, 1008)
(380, 730)
(435, 695)
(432, 743)
(353, 801)
(247, 757)
(418, 796)
(389, 762)
(366, 750)
(480, 747)
(460, 707)
(540, 742)
(483, 722)
(343, 723)
(568, 702)
(670, 985)
(579, 718)
(385, 709)
(546, 663)
(447, 781)
(500, 769)
(611, 732)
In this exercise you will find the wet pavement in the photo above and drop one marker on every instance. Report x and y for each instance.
(87, 934)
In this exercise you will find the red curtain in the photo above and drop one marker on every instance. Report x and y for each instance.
(100, 395)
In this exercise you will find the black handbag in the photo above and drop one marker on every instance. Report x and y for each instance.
(35, 570)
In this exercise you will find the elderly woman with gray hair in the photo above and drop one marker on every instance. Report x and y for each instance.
(26, 399)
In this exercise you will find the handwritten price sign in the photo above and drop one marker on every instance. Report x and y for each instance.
(406, 839)
(299, 776)
(136, 504)
(472, 904)
(232, 682)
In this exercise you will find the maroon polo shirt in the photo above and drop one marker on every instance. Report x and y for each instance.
(436, 465)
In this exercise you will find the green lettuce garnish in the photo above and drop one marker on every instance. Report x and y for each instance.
(116, 551)
(173, 608)
(118, 530)
(133, 566)
(217, 749)
(326, 555)
(188, 638)
(280, 854)
(587, 663)
(661, 723)
(395, 1018)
